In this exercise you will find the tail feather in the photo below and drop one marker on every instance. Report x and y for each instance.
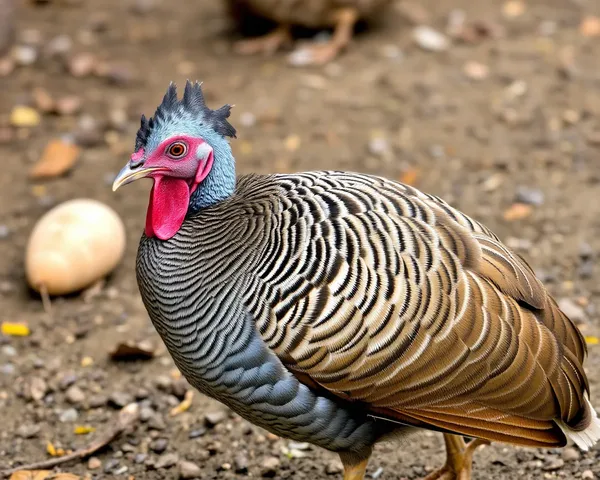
(589, 436)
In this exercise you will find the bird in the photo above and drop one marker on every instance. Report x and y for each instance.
(345, 309)
(342, 15)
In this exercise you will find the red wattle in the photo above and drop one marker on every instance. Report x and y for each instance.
(169, 201)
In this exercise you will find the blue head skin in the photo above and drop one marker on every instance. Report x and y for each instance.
(184, 149)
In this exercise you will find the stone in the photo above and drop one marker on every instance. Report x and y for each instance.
(189, 470)
(214, 418)
(69, 415)
(94, 463)
(269, 467)
(167, 460)
(159, 445)
(74, 395)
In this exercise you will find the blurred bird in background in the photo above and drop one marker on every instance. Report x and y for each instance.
(341, 15)
(344, 309)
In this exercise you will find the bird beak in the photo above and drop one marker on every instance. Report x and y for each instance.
(128, 175)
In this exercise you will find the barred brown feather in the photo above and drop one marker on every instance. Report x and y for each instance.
(381, 297)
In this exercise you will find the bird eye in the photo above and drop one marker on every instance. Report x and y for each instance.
(177, 150)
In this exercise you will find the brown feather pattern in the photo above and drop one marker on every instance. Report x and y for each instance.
(385, 295)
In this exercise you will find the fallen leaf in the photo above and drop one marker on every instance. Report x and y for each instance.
(87, 361)
(409, 177)
(83, 429)
(30, 475)
(15, 329)
(22, 116)
(132, 351)
(51, 449)
(591, 340)
(184, 405)
(58, 158)
(513, 8)
(292, 143)
(590, 27)
(245, 148)
(517, 211)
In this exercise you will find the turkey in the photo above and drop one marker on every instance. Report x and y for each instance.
(344, 309)
(342, 15)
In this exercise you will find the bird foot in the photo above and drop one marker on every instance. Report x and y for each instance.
(315, 54)
(459, 461)
(267, 44)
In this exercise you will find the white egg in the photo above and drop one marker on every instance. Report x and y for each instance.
(73, 245)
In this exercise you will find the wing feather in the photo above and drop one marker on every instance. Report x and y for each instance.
(411, 307)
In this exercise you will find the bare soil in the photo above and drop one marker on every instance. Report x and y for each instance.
(525, 130)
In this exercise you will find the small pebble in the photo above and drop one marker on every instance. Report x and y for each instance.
(269, 467)
(529, 196)
(334, 467)
(69, 105)
(197, 433)
(247, 119)
(69, 415)
(159, 445)
(587, 475)
(75, 395)
(214, 418)
(570, 454)
(157, 422)
(60, 45)
(119, 399)
(429, 39)
(240, 463)
(476, 70)
(554, 464)
(572, 310)
(97, 401)
(146, 413)
(7, 66)
(166, 461)
(9, 350)
(94, 463)
(82, 65)
(111, 465)
(189, 470)
(28, 431)
(25, 55)
(139, 458)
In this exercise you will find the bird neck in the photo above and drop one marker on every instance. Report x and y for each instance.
(219, 184)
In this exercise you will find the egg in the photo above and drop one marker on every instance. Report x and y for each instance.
(73, 245)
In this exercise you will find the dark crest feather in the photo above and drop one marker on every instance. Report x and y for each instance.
(192, 103)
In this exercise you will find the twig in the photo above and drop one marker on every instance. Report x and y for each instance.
(46, 302)
(127, 417)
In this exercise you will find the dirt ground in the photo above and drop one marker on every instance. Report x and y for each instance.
(506, 114)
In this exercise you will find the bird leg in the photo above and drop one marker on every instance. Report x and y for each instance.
(321, 53)
(267, 44)
(355, 467)
(459, 459)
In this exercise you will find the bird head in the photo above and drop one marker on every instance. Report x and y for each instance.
(184, 150)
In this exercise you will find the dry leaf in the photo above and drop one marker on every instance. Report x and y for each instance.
(292, 143)
(83, 429)
(591, 340)
(15, 329)
(513, 8)
(58, 157)
(410, 176)
(517, 211)
(132, 351)
(87, 361)
(590, 27)
(30, 475)
(184, 405)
